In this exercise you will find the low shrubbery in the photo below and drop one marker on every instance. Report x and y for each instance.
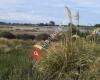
(10, 35)
(43, 36)
(25, 37)
(79, 33)
(7, 35)
(84, 34)
(39, 37)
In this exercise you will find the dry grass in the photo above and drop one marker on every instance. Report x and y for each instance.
(65, 62)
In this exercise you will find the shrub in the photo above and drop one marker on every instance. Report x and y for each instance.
(74, 31)
(25, 37)
(7, 35)
(81, 34)
(43, 36)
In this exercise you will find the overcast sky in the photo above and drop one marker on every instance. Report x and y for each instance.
(34, 11)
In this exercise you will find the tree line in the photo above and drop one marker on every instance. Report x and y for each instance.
(50, 23)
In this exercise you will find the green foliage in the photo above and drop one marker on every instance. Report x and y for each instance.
(84, 34)
(16, 64)
(25, 37)
(97, 25)
(51, 23)
(7, 35)
(74, 30)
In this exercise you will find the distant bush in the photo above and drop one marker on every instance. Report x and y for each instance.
(7, 35)
(74, 31)
(25, 36)
(84, 34)
(43, 36)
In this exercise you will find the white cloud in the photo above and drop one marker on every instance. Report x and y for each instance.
(25, 17)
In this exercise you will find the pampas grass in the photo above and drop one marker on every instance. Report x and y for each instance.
(74, 62)
(71, 60)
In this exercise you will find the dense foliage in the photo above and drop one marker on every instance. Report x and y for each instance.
(25, 37)
(7, 35)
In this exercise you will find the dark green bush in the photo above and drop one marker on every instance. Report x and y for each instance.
(83, 34)
(7, 35)
(74, 31)
(25, 36)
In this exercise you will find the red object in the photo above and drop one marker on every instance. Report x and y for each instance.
(37, 53)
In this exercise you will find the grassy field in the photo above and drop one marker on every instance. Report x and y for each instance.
(27, 29)
(79, 60)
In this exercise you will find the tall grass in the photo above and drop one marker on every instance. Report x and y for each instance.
(17, 63)
(71, 60)
(76, 62)
(63, 62)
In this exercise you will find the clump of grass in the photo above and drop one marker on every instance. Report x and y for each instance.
(71, 62)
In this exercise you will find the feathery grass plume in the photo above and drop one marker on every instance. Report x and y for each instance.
(77, 21)
(69, 15)
(70, 20)
(69, 39)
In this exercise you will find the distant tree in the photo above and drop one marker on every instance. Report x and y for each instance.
(41, 24)
(46, 24)
(52, 23)
(3, 23)
(97, 25)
